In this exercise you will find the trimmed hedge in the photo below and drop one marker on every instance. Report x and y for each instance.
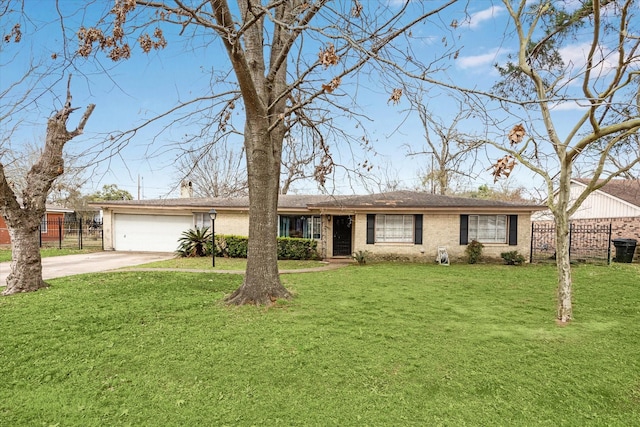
(296, 248)
(288, 247)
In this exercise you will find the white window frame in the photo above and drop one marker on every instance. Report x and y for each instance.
(201, 220)
(395, 228)
(44, 224)
(488, 228)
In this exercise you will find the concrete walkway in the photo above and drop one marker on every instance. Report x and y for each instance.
(69, 265)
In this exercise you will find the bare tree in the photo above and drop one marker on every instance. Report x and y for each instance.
(610, 91)
(450, 152)
(215, 170)
(268, 49)
(31, 76)
(17, 163)
(537, 87)
(24, 211)
(298, 156)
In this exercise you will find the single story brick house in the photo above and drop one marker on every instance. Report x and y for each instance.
(48, 227)
(400, 223)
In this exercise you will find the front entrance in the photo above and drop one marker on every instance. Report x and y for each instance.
(342, 235)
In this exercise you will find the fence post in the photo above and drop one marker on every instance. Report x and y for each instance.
(80, 234)
(531, 244)
(609, 244)
(570, 238)
(59, 233)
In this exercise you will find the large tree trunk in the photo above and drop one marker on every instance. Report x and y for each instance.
(563, 265)
(26, 263)
(261, 285)
(264, 91)
(563, 261)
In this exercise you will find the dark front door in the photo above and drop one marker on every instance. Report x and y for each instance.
(341, 236)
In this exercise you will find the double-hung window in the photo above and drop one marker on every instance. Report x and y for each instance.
(488, 228)
(394, 228)
(201, 220)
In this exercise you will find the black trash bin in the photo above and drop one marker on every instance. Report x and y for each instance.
(625, 249)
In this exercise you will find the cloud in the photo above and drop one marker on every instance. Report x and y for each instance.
(575, 59)
(567, 106)
(475, 61)
(475, 19)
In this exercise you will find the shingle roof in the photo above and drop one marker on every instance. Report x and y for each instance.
(395, 199)
(287, 201)
(418, 199)
(624, 189)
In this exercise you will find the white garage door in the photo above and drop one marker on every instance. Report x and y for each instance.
(149, 233)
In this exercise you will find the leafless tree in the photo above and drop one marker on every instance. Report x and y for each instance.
(24, 211)
(449, 152)
(268, 47)
(215, 170)
(27, 175)
(526, 111)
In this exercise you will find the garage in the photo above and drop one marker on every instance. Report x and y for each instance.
(149, 233)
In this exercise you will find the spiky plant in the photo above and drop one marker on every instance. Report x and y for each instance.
(194, 242)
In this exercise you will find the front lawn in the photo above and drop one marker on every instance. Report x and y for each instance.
(205, 263)
(379, 345)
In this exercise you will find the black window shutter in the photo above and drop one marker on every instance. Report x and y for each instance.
(513, 230)
(371, 229)
(464, 229)
(417, 226)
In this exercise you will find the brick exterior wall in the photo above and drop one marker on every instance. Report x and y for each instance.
(232, 223)
(52, 233)
(440, 230)
(621, 228)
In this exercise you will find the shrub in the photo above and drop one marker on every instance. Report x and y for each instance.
(361, 257)
(512, 258)
(295, 248)
(232, 246)
(474, 251)
(288, 247)
(195, 242)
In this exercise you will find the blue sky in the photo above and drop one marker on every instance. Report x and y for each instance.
(129, 92)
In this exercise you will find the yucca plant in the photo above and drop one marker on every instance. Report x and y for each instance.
(194, 243)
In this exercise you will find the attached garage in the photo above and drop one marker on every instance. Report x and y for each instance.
(149, 233)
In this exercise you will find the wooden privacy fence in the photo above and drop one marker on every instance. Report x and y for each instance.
(588, 243)
(71, 234)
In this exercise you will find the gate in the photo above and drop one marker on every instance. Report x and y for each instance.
(588, 243)
(71, 234)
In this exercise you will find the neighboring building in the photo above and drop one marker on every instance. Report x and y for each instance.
(401, 223)
(48, 227)
(616, 203)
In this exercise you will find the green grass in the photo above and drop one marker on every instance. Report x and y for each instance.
(5, 253)
(379, 345)
(204, 263)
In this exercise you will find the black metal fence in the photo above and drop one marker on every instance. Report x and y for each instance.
(588, 243)
(71, 234)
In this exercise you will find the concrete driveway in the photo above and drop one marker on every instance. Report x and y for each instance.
(68, 265)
